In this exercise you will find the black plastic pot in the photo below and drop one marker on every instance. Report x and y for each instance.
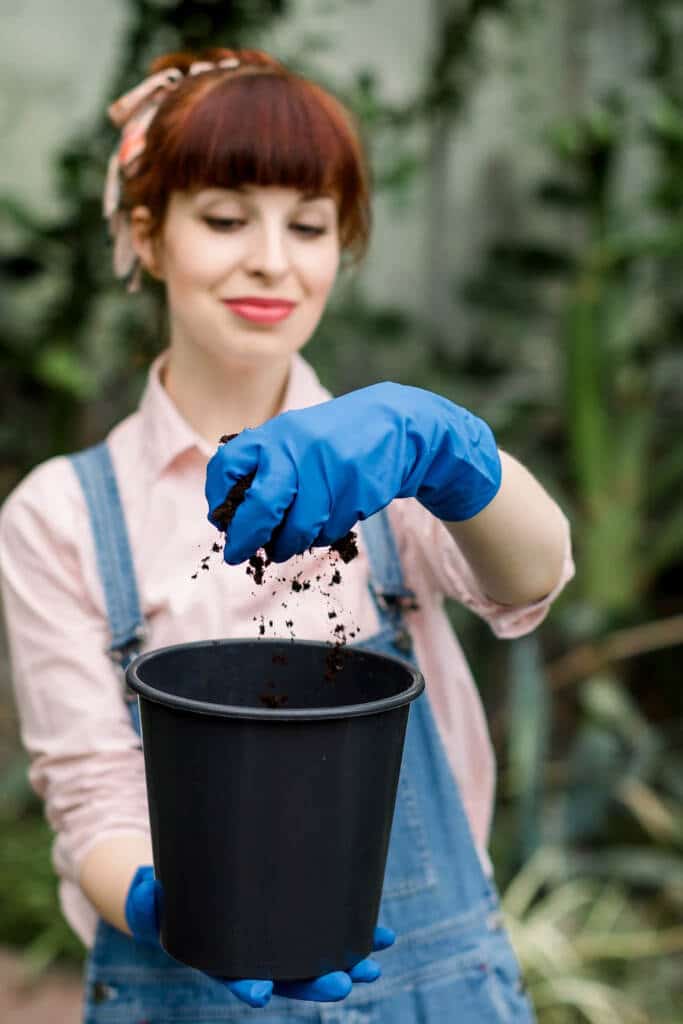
(271, 779)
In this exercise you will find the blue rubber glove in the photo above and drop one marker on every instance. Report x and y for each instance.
(143, 908)
(317, 471)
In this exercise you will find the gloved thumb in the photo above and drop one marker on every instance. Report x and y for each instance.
(143, 906)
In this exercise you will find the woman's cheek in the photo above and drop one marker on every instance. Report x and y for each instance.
(324, 267)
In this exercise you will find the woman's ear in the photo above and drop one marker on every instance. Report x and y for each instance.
(146, 242)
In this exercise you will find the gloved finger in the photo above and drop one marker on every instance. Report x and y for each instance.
(383, 938)
(265, 503)
(231, 464)
(253, 992)
(360, 497)
(365, 970)
(304, 520)
(328, 988)
(337, 526)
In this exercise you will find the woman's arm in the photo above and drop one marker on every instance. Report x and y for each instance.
(107, 871)
(86, 761)
(515, 545)
(313, 473)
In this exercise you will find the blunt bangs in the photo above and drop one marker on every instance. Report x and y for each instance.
(286, 140)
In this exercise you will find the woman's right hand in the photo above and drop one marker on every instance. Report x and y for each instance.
(142, 916)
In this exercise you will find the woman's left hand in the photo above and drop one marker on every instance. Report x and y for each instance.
(317, 471)
(143, 911)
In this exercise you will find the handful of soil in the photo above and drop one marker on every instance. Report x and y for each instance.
(346, 547)
(223, 514)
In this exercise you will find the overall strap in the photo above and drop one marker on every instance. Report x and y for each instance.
(386, 584)
(95, 472)
(385, 563)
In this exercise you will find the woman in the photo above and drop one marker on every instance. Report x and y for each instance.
(242, 186)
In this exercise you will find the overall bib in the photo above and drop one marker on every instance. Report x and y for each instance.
(452, 962)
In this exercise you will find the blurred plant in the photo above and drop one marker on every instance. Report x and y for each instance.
(621, 474)
(588, 946)
(30, 916)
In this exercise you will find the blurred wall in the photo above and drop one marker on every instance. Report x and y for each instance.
(56, 60)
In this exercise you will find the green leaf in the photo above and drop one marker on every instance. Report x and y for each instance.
(666, 119)
(62, 369)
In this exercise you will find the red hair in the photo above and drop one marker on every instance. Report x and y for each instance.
(260, 124)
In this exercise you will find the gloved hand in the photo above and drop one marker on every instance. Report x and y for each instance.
(317, 471)
(142, 912)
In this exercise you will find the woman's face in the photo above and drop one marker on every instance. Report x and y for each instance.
(254, 242)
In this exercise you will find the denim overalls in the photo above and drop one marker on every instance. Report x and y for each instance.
(452, 962)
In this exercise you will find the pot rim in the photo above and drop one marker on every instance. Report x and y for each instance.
(274, 714)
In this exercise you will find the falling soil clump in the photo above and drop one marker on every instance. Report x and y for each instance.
(346, 547)
(256, 566)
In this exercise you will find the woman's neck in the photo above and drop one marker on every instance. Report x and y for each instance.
(216, 398)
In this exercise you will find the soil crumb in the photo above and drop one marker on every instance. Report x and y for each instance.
(346, 547)
(256, 566)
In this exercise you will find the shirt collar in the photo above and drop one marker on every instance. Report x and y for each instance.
(168, 434)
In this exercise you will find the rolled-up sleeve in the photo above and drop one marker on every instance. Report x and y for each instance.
(433, 560)
(85, 758)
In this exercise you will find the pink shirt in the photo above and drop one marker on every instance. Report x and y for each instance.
(85, 760)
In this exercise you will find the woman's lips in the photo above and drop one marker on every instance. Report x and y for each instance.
(265, 313)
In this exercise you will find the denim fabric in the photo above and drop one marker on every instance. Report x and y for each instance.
(452, 960)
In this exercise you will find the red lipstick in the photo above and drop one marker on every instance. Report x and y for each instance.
(260, 310)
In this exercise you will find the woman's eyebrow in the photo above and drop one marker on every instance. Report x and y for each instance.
(215, 195)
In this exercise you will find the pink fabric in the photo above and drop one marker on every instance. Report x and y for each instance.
(84, 758)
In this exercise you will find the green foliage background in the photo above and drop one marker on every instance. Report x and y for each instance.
(573, 355)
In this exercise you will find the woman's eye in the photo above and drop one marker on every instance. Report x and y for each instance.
(226, 223)
(308, 229)
(222, 222)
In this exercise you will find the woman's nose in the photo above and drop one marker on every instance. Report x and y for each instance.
(268, 252)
